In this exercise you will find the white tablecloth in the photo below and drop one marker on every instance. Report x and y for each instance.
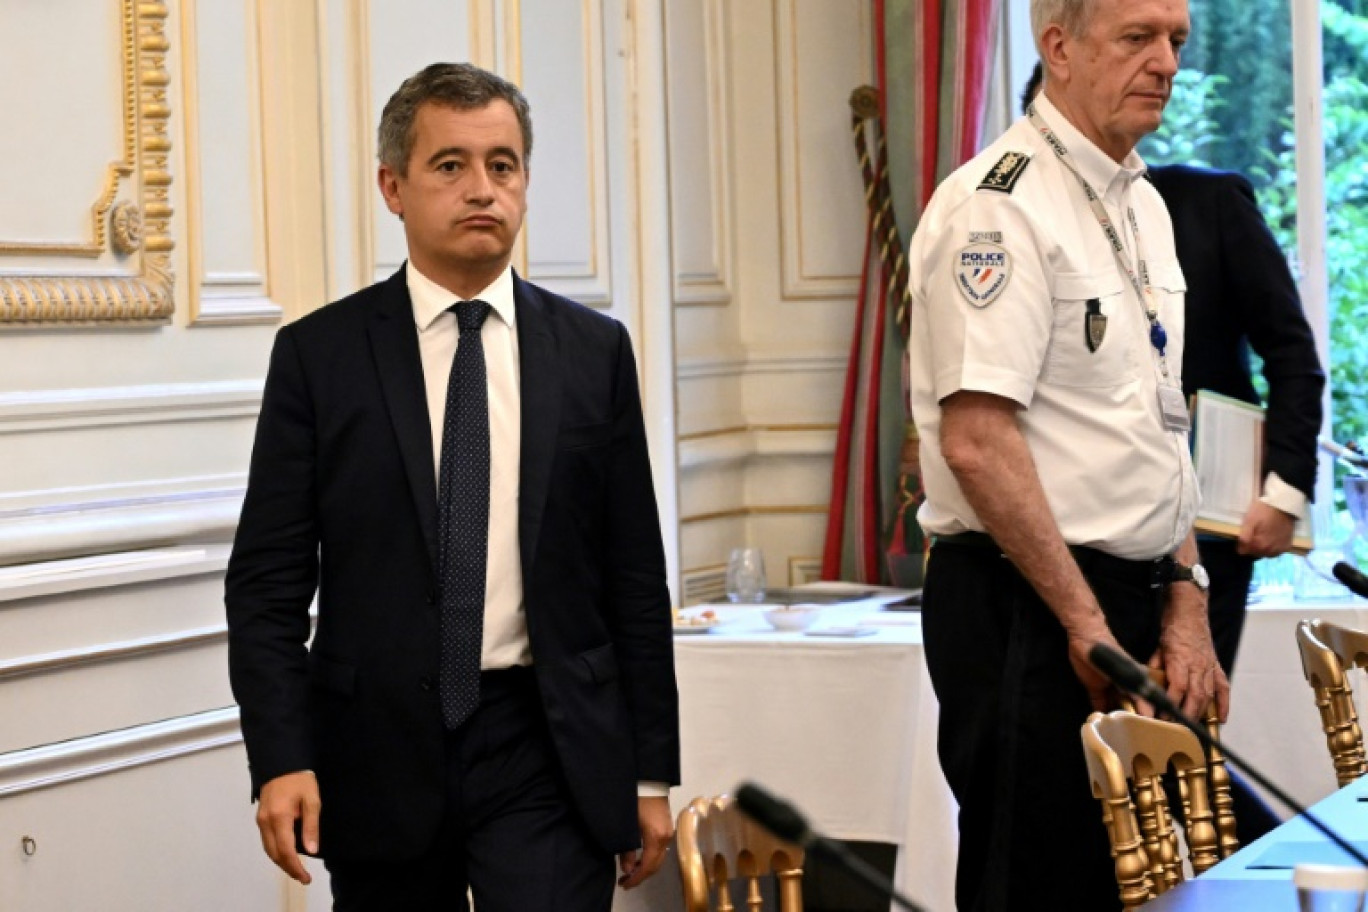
(844, 728)
(1273, 719)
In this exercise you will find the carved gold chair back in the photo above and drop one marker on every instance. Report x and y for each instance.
(1328, 651)
(1218, 776)
(1127, 756)
(717, 844)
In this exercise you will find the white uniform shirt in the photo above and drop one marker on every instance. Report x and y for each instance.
(505, 621)
(1114, 477)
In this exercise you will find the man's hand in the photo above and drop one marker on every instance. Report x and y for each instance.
(1266, 531)
(284, 800)
(1098, 687)
(657, 829)
(1187, 655)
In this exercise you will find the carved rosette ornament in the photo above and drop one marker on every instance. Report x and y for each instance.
(141, 227)
(126, 228)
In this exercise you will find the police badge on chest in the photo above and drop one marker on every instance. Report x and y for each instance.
(1094, 325)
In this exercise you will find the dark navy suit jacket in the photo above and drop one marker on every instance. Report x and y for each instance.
(342, 501)
(1241, 296)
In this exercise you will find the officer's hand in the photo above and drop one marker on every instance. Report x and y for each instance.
(284, 800)
(1098, 687)
(1186, 653)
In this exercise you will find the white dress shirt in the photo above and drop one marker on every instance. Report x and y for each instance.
(1115, 478)
(505, 620)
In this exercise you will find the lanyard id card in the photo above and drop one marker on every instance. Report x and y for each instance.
(1173, 408)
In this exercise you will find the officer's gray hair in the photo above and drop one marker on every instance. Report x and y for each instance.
(456, 85)
(1073, 15)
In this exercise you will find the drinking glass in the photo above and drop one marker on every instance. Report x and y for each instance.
(746, 575)
(1325, 888)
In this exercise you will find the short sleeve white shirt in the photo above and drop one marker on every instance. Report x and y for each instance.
(1016, 291)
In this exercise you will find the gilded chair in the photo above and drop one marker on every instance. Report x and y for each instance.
(718, 844)
(1328, 651)
(1218, 777)
(1127, 756)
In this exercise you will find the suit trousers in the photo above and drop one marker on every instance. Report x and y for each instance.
(1011, 708)
(509, 834)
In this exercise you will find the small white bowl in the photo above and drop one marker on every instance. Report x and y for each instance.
(792, 617)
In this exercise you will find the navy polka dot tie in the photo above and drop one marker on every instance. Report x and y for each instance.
(463, 518)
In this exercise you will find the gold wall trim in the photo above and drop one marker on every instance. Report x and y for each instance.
(145, 297)
(744, 428)
(741, 512)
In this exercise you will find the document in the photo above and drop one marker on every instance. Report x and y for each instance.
(1227, 451)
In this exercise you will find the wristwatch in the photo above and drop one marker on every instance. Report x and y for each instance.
(1196, 574)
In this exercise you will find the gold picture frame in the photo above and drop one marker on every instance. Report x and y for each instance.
(137, 229)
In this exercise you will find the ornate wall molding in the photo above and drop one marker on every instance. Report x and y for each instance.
(71, 409)
(112, 652)
(111, 752)
(141, 230)
(122, 518)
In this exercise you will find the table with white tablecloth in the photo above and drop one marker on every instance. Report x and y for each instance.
(1273, 719)
(843, 727)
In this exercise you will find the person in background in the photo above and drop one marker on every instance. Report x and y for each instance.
(1241, 297)
(1046, 350)
(454, 461)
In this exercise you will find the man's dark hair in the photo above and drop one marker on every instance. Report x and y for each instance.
(455, 85)
(1032, 88)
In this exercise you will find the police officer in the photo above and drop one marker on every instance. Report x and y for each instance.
(1046, 349)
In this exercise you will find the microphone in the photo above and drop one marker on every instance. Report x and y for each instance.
(1352, 579)
(788, 823)
(1132, 677)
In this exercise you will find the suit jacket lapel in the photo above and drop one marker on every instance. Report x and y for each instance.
(539, 389)
(394, 342)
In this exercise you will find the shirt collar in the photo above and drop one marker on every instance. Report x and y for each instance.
(1096, 166)
(431, 300)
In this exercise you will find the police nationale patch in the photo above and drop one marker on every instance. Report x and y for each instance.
(1005, 174)
(981, 272)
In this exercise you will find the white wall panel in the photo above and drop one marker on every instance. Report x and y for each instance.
(224, 183)
(700, 174)
(174, 834)
(823, 51)
(568, 204)
(56, 164)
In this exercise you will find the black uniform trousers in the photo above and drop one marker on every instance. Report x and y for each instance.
(510, 833)
(1011, 707)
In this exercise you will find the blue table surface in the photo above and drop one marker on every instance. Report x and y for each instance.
(1234, 884)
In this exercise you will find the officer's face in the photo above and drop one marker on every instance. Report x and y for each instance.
(1117, 76)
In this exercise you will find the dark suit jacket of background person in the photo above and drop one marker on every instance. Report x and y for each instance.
(1241, 295)
(342, 497)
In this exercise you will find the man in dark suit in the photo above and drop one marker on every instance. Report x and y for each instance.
(455, 461)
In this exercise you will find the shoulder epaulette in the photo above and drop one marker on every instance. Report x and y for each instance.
(1005, 174)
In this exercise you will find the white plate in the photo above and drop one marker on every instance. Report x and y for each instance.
(695, 628)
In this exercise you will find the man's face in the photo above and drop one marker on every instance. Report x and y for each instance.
(465, 193)
(1120, 72)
